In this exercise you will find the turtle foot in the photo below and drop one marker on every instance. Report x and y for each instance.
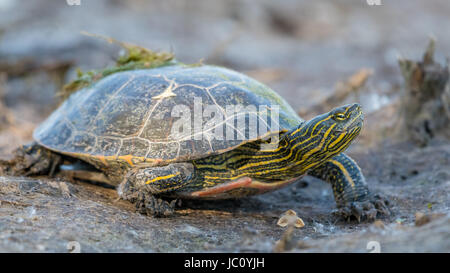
(150, 205)
(145, 202)
(33, 159)
(374, 207)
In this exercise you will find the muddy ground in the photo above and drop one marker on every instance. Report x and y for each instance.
(301, 49)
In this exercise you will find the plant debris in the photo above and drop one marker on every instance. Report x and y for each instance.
(6, 117)
(425, 107)
(352, 85)
(134, 57)
(422, 218)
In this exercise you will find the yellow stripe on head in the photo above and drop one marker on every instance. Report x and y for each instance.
(162, 178)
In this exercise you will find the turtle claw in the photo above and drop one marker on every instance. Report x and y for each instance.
(144, 201)
(382, 205)
(33, 159)
(367, 210)
(150, 205)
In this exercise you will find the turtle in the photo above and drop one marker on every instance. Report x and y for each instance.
(188, 132)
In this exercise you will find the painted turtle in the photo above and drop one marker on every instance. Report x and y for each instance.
(189, 132)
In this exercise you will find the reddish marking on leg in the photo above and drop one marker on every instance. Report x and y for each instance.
(266, 186)
(239, 183)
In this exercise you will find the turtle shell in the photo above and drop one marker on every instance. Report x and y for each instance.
(133, 114)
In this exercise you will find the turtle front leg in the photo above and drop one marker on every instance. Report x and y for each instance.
(351, 192)
(33, 159)
(143, 187)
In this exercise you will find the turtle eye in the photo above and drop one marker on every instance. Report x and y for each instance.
(339, 117)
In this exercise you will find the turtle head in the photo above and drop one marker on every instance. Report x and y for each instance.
(326, 135)
(342, 123)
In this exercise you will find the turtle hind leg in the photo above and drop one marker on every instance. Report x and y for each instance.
(145, 187)
(33, 159)
(351, 192)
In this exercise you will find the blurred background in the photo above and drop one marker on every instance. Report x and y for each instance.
(316, 54)
(299, 48)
